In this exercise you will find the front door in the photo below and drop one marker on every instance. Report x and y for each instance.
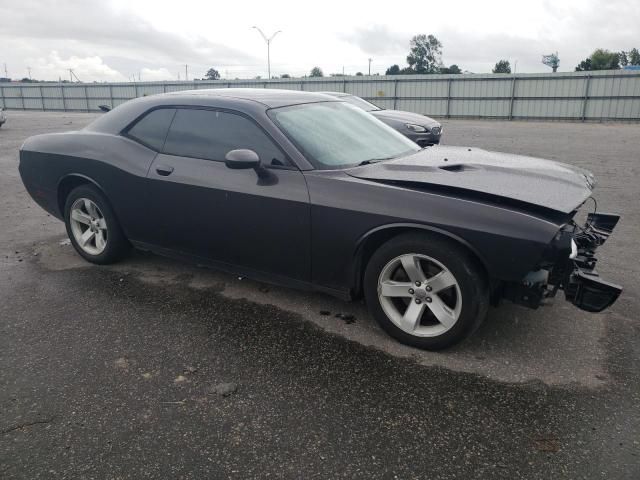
(201, 207)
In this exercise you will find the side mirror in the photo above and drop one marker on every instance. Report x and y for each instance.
(241, 159)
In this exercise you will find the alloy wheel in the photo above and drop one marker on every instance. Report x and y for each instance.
(88, 226)
(419, 295)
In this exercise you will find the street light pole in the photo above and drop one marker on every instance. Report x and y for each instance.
(268, 42)
(370, 65)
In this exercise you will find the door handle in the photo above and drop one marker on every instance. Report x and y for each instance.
(163, 170)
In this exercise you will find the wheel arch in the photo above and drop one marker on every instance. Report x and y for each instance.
(368, 243)
(70, 181)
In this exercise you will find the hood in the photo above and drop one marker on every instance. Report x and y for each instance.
(406, 117)
(543, 183)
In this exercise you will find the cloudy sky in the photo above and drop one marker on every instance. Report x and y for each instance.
(113, 40)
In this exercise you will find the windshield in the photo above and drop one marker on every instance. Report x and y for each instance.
(360, 103)
(338, 135)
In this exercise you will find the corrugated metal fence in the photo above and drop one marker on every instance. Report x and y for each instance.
(586, 96)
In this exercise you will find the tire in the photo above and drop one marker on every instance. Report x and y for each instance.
(452, 284)
(87, 212)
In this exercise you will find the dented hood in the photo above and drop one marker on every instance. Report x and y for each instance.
(543, 183)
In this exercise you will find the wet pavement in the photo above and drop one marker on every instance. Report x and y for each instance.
(155, 369)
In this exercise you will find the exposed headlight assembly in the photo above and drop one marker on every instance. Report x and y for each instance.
(416, 128)
(574, 250)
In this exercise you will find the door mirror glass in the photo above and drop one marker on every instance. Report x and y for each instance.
(242, 158)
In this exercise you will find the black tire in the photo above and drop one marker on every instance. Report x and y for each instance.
(117, 245)
(468, 272)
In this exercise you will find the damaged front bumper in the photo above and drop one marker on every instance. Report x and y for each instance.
(570, 266)
(583, 286)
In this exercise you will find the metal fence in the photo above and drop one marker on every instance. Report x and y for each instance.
(585, 96)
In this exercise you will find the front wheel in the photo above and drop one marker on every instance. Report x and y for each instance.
(425, 290)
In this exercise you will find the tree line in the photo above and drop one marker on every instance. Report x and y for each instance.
(602, 59)
(425, 57)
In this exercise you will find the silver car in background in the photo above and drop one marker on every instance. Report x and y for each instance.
(421, 129)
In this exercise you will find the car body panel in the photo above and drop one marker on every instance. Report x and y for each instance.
(266, 221)
(544, 183)
(346, 210)
(405, 117)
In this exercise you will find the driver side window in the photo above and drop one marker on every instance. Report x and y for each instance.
(210, 134)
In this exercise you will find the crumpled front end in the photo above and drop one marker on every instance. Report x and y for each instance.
(581, 283)
(569, 264)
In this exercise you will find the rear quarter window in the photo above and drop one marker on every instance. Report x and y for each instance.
(151, 130)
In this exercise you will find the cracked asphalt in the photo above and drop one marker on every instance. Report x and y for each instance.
(156, 369)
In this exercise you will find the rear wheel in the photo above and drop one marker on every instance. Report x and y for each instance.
(426, 291)
(92, 226)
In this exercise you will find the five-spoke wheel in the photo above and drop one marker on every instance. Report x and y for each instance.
(426, 290)
(88, 226)
(419, 295)
(92, 226)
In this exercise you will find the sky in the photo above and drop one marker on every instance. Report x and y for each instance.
(116, 40)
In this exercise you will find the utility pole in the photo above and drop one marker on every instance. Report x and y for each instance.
(186, 72)
(6, 72)
(29, 70)
(268, 41)
(370, 65)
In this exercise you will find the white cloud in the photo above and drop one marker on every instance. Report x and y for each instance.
(155, 74)
(130, 36)
(85, 68)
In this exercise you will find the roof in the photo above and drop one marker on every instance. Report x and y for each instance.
(337, 94)
(271, 98)
(247, 100)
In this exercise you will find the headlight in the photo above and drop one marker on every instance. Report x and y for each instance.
(416, 128)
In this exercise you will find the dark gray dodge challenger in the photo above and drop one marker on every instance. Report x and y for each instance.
(304, 190)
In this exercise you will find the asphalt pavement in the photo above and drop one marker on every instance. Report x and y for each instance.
(155, 369)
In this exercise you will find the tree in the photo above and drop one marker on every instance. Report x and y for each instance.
(285, 75)
(453, 69)
(552, 60)
(425, 54)
(212, 74)
(622, 57)
(600, 59)
(604, 60)
(393, 70)
(358, 74)
(584, 65)
(502, 66)
(634, 57)
(316, 72)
